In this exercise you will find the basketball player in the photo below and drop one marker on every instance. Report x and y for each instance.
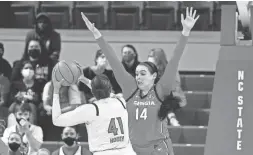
(147, 126)
(106, 119)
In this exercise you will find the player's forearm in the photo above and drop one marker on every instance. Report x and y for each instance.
(35, 145)
(169, 77)
(124, 79)
(69, 118)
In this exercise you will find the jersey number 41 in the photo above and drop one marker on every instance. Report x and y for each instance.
(113, 128)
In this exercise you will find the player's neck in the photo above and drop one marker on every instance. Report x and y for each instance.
(145, 92)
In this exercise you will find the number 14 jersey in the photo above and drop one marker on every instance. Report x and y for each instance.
(145, 128)
(109, 129)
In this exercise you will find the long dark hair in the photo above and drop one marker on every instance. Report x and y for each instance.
(43, 58)
(169, 104)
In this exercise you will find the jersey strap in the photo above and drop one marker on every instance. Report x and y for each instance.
(97, 110)
(121, 103)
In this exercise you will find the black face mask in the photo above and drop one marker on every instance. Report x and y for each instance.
(19, 119)
(34, 53)
(14, 146)
(69, 141)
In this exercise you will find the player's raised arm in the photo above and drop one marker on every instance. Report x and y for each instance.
(125, 80)
(168, 78)
(81, 114)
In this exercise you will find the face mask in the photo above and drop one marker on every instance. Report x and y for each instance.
(69, 141)
(129, 57)
(34, 53)
(14, 146)
(19, 119)
(28, 73)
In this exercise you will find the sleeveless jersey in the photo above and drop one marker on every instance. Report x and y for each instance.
(109, 130)
(145, 128)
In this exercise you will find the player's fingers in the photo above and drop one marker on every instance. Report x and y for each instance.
(197, 18)
(62, 80)
(187, 12)
(194, 14)
(182, 18)
(191, 12)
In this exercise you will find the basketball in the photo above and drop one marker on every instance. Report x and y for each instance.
(68, 71)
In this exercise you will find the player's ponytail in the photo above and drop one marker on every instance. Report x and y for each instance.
(170, 104)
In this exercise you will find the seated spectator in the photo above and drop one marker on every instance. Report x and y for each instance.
(3, 119)
(130, 59)
(43, 151)
(158, 57)
(68, 93)
(5, 67)
(47, 35)
(71, 146)
(32, 135)
(99, 68)
(27, 89)
(4, 91)
(43, 66)
(14, 144)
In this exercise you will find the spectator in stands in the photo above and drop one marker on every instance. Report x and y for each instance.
(47, 35)
(35, 52)
(3, 119)
(4, 90)
(5, 67)
(158, 57)
(43, 151)
(14, 144)
(71, 146)
(32, 135)
(100, 67)
(67, 95)
(130, 58)
(27, 89)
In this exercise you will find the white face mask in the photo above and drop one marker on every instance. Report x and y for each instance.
(28, 73)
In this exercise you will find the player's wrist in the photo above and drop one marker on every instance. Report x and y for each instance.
(186, 32)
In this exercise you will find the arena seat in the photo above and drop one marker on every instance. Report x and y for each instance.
(94, 10)
(160, 15)
(204, 9)
(185, 149)
(198, 100)
(193, 117)
(197, 82)
(24, 13)
(59, 12)
(124, 15)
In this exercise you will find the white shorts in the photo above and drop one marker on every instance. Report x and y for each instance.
(124, 151)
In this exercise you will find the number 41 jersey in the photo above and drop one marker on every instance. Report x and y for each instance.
(109, 129)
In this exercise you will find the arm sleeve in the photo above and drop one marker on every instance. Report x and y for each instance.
(81, 114)
(169, 77)
(124, 79)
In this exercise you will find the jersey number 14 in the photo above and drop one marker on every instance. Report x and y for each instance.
(113, 128)
(141, 114)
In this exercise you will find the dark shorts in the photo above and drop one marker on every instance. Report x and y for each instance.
(161, 148)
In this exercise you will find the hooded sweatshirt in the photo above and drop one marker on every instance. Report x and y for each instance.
(50, 38)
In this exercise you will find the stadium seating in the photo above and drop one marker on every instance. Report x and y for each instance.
(124, 15)
(94, 10)
(24, 13)
(59, 12)
(160, 15)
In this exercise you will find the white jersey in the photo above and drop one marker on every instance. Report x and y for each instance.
(106, 122)
(109, 130)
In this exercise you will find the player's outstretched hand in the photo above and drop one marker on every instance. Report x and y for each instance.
(190, 19)
(57, 84)
(91, 26)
